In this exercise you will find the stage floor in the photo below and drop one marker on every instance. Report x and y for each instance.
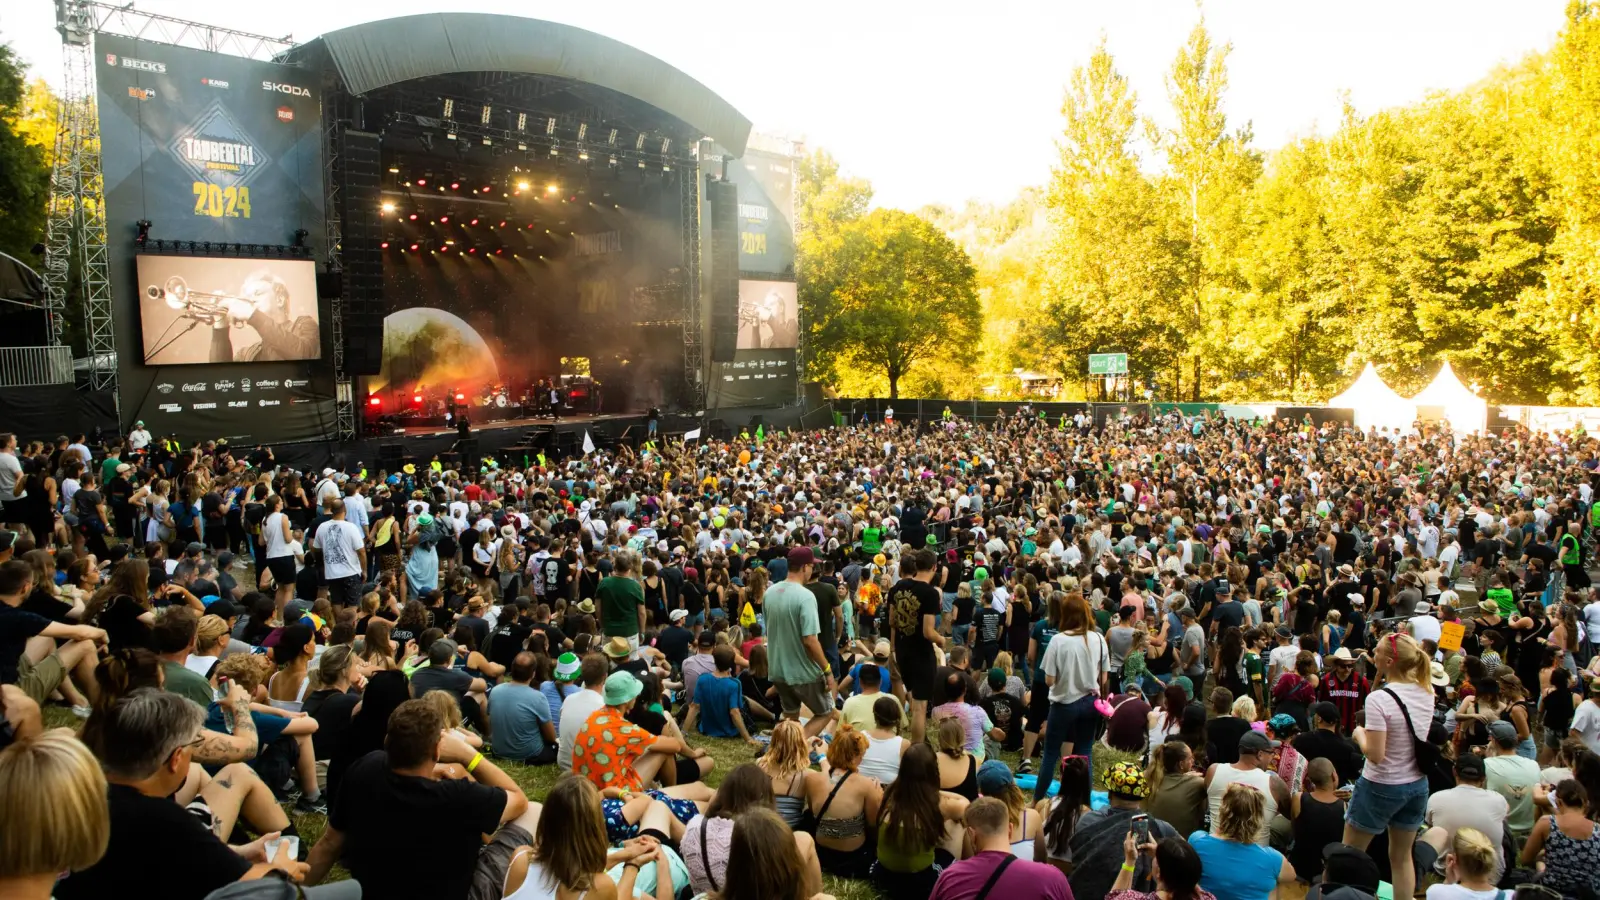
(565, 422)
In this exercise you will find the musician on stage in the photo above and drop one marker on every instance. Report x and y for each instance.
(263, 304)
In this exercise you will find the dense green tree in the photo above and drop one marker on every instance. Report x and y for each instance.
(900, 292)
(24, 160)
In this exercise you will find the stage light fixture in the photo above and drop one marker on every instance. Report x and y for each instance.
(374, 401)
(444, 220)
(413, 217)
(550, 125)
(441, 188)
(455, 185)
(641, 163)
(521, 146)
(583, 154)
(666, 168)
(612, 139)
(449, 243)
(502, 224)
(555, 151)
(384, 245)
(449, 135)
(422, 182)
(613, 160)
(473, 250)
(449, 108)
(413, 248)
(417, 399)
(583, 130)
(388, 206)
(488, 143)
(460, 396)
(487, 188)
(484, 119)
(522, 121)
(552, 188)
(523, 185)
(394, 170)
(499, 250)
(473, 222)
(639, 144)
(666, 144)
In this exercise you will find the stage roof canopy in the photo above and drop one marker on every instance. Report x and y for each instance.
(378, 54)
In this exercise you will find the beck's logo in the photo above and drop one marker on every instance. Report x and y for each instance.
(291, 89)
(143, 65)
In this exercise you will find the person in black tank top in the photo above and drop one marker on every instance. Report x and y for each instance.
(1318, 819)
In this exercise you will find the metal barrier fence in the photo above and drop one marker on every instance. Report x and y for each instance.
(31, 366)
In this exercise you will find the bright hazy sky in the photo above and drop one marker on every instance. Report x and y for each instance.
(938, 101)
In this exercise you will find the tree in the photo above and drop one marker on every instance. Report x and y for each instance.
(24, 160)
(899, 292)
(826, 201)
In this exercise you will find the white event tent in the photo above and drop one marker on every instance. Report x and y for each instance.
(1376, 405)
(1465, 410)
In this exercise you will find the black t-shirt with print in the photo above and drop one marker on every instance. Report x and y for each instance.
(199, 862)
(909, 601)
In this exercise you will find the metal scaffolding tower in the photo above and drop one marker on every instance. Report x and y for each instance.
(75, 234)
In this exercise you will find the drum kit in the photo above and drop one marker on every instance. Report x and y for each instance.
(495, 395)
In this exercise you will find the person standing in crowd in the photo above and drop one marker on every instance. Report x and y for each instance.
(914, 606)
(621, 600)
(796, 662)
(344, 554)
(1076, 666)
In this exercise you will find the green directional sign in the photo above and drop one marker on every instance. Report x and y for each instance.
(1108, 364)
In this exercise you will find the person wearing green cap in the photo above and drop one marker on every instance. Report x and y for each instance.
(563, 682)
(612, 752)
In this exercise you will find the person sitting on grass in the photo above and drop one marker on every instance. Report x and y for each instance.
(29, 657)
(707, 838)
(569, 856)
(145, 746)
(718, 702)
(54, 806)
(287, 748)
(763, 862)
(612, 751)
(523, 726)
(845, 807)
(992, 869)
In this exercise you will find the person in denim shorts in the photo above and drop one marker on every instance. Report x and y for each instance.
(1392, 792)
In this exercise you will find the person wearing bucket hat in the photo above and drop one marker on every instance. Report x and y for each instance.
(1096, 841)
(613, 752)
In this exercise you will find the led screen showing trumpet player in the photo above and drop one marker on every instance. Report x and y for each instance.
(769, 315)
(217, 310)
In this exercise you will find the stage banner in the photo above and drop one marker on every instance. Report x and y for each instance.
(217, 153)
(766, 212)
(754, 378)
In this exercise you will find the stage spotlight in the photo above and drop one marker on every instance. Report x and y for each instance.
(523, 185)
(666, 168)
(613, 160)
(641, 163)
(394, 170)
(521, 146)
(499, 250)
(522, 121)
(413, 217)
(384, 245)
(422, 182)
(639, 144)
(612, 140)
(144, 232)
(459, 395)
(666, 144)
(374, 400)
(555, 151)
(473, 222)
(449, 108)
(552, 188)
(472, 250)
(583, 154)
(444, 220)
(502, 224)
(484, 119)
(455, 185)
(583, 130)
(550, 125)
(413, 248)
(416, 399)
(487, 188)
(388, 207)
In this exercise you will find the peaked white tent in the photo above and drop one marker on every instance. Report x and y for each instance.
(1376, 405)
(1465, 410)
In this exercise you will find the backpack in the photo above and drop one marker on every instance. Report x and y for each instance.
(1439, 771)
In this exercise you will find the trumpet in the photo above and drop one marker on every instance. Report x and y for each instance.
(203, 305)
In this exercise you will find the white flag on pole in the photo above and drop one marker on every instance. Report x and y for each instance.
(588, 443)
(692, 435)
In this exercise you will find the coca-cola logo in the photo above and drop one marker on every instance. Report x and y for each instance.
(165, 387)
(194, 386)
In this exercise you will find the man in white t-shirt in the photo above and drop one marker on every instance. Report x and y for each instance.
(344, 556)
(1586, 720)
(1424, 625)
(1467, 805)
(327, 490)
(577, 708)
(10, 472)
(139, 438)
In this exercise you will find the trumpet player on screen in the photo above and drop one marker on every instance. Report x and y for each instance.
(263, 305)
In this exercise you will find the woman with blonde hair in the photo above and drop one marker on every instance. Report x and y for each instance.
(787, 763)
(210, 639)
(1470, 867)
(1233, 865)
(569, 856)
(450, 710)
(1392, 792)
(53, 801)
(846, 809)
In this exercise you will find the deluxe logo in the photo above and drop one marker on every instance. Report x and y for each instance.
(222, 385)
(143, 65)
(203, 406)
(165, 387)
(214, 82)
(171, 407)
(194, 386)
(141, 93)
(238, 404)
(290, 89)
(244, 385)
(264, 384)
(285, 114)
(267, 402)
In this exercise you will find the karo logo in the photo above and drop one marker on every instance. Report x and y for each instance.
(171, 407)
(293, 90)
(141, 93)
(244, 385)
(165, 387)
(285, 114)
(222, 385)
(194, 386)
(267, 402)
(214, 82)
(203, 406)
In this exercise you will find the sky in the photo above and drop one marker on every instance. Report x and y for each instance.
(941, 102)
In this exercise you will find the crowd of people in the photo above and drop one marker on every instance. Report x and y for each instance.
(1225, 656)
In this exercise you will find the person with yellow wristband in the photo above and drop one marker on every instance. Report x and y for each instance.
(425, 774)
(1176, 870)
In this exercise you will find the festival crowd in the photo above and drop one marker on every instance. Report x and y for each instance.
(1169, 658)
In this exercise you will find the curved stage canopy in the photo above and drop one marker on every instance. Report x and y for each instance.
(378, 54)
